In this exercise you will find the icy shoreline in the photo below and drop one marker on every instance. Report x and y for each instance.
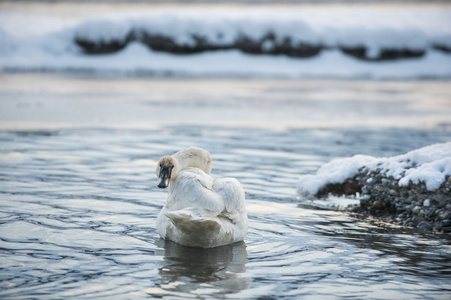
(258, 34)
(369, 34)
(413, 189)
(289, 42)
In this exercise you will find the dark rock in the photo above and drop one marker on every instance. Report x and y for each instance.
(100, 47)
(284, 47)
(416, 209)
(360, 52)
(160, 42)
(442, 203)
(417, 220)
(446, 223)
(430, 212)
(443, 48)
(425, 226)
(356, 209)
(378, 205)
(349, 187)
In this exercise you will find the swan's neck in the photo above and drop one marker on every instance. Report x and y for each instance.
(194, 158)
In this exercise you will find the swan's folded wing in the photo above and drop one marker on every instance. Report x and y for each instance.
(199, 194)
(232, 194)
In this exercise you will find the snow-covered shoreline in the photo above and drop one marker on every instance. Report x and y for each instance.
(412, 189)
(358, 32)
(290, 42)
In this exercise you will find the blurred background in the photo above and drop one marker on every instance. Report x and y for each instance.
(292, 62)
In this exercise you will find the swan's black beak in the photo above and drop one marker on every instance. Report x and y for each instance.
(165, 176)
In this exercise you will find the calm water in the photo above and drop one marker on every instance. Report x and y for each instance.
(78, 211)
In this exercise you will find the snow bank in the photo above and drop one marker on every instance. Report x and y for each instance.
(299, 41)
(430, 165)
(333, 27)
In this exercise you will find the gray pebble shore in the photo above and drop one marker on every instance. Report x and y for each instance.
(412, 205)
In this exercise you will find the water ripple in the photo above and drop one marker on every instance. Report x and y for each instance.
(78, 209)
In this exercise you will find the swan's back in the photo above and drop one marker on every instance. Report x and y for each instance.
(193, 188)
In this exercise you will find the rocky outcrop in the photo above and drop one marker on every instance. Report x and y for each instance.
(268, 44)
(411, 205)
(158, 42)
(384, 54)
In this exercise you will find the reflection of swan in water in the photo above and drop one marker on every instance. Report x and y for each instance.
(203, 271)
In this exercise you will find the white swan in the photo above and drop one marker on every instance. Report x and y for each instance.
(201, 211)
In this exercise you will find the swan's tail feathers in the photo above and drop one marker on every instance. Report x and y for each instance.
(179, 216)
(188, 223)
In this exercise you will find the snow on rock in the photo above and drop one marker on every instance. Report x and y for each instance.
(432, 174)
(357, 31)
(386, 42)
(336, 171)
(430, 165)
(414, 28)
(103, 30)
(412, 189)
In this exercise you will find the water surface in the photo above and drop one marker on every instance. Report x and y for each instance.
(79, 205)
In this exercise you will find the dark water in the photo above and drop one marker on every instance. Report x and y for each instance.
(78, 211)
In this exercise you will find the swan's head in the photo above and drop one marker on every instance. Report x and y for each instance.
(167, 169)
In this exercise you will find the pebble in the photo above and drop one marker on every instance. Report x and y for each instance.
(442, 204)
(437, 198)
(444, 216)
(417, 220)
(378, 205)
(416, 209)
(430, 213)
(427, 203)
(446, 223)
(425, 226)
